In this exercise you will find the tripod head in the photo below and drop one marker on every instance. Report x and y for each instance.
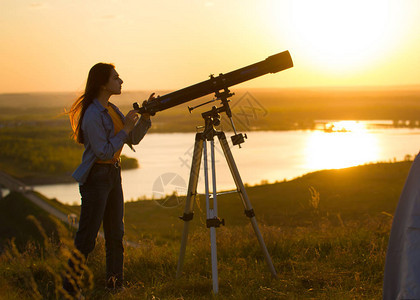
(212, 117)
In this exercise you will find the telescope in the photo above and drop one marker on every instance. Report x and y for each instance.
(271, 64)
(206, 135)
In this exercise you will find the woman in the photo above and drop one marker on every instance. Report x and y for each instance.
(103, 130)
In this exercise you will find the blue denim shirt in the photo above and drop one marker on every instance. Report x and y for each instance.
(99, 139)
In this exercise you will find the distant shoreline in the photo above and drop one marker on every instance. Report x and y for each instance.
(68, 179)
(35, 124)
(47, 180)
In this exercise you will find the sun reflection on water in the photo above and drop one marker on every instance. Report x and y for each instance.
(340, 145)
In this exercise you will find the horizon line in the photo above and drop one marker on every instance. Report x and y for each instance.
(320, 87)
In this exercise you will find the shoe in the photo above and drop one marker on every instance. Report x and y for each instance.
(114, 285)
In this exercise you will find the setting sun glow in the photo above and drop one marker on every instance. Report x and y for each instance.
(342, 144)
(344, 35)
(172, 44)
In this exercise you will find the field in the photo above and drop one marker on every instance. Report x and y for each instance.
(326, 232)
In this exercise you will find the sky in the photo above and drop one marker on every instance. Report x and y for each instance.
(50, 45)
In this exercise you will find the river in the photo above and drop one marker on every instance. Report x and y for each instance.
(266, 156)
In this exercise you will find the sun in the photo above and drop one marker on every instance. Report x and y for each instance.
(342, 36)
(342, 144)
(345, 126)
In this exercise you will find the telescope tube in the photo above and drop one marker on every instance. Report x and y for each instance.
(271, 64)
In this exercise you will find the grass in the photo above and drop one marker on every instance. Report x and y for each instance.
(326, 232)
(320, 263)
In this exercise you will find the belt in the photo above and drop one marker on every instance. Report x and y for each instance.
(116, 162)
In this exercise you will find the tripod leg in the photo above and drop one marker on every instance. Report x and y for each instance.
(212, 215)
(189, 203)
(244, 196)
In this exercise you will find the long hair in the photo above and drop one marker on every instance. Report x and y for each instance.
(98, 76)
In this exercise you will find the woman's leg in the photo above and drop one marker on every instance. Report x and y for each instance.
(114, 230)
(94, 197)
(95, 193)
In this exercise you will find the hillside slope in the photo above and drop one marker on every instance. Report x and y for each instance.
(20, 218)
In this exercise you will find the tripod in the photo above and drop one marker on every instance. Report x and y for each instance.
(212, 119)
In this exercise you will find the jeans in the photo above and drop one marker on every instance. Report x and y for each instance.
(102, 200)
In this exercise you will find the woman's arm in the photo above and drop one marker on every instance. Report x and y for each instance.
(139, 131)
(142, 126)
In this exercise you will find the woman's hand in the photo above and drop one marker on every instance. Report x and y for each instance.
(151, 98)
(130, 121)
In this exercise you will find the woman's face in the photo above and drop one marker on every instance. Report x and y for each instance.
(114, 83)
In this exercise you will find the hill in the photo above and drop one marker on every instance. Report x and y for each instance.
(356, 194)
(21, 220)
(326, 232)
